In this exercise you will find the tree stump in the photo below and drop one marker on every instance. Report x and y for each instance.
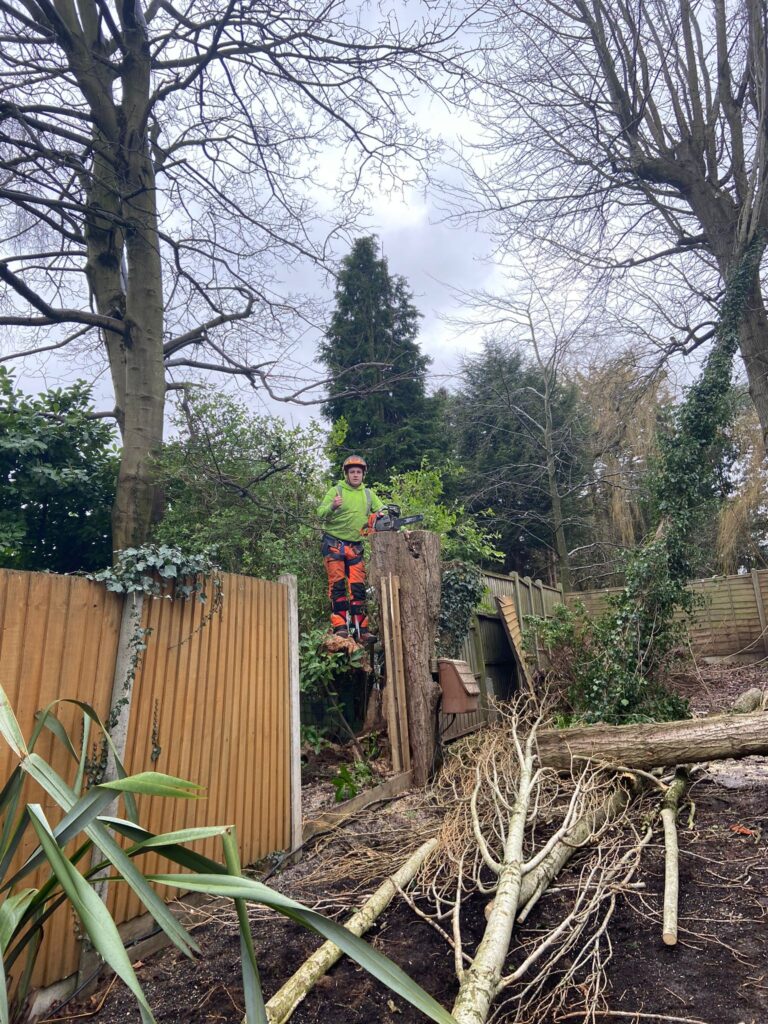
(414, 557)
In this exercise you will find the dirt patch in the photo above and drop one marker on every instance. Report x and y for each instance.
(717, 974)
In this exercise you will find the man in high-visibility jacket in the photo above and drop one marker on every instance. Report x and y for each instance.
(344, 513)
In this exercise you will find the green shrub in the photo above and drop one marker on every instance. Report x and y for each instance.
(611, 669)
(350, 779)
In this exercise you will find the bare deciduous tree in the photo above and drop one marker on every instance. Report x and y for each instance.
(160, 165)
(634, 136)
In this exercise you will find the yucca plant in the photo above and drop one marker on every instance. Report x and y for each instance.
(73, 876)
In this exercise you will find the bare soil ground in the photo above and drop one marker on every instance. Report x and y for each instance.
(717, 974)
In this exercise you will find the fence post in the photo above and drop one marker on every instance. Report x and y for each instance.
(290, 582)
(123, 682)
(760, 608)
(120, 702)
(540, 587)
(528, 584)
(518, 599)
(479, 653)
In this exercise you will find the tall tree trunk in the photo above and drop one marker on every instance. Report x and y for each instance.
(141, 355)
(415, 558)
(753, 342)
(105, 240)
(134, 509)
(557, 518)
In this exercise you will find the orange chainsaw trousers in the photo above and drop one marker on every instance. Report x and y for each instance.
(344, 565)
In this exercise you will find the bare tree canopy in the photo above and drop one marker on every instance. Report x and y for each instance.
(163, 166)
(633, 137)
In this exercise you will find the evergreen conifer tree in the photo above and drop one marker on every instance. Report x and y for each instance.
(391, 420)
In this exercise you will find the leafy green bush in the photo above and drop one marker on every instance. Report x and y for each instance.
(247, 486)
(312, 736)
(24, 909)
(462, 535)
(606, 672)
(319, 669)
(350, 779)
(323, 674)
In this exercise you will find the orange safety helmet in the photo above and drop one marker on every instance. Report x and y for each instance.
(354, 460)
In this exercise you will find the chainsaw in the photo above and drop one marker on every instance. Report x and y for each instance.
(389, 519)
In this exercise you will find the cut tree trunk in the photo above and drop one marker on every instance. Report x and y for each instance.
(414, 557)
(659, 743)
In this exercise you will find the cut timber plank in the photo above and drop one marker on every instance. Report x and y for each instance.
(399, 679)
(511, 623)
(330, 819)
(390, 691)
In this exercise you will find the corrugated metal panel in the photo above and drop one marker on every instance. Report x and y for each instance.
(58, 637)
(213, 700)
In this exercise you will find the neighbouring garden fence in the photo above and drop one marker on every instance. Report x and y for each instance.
(731, 618)
(216, 703)
(486, 650)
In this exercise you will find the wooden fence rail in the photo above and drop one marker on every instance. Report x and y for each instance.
(214, 703)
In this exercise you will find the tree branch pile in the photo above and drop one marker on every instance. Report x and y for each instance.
(511, 823)
(512, 817)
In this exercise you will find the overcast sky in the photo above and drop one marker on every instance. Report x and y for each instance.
(434, 257)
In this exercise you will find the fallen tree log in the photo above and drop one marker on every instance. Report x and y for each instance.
(656, 744)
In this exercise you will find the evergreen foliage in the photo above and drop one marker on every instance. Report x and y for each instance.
(58, 469)
(463, 586)
(390, 418)
(246, 486)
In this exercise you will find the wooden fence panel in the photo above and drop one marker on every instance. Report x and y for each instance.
(210, 703)
(730, 619)
(58, 638)
(487, 652)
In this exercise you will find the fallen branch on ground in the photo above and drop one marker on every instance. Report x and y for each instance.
(510, 826)
(671, 865)
(286, 999)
